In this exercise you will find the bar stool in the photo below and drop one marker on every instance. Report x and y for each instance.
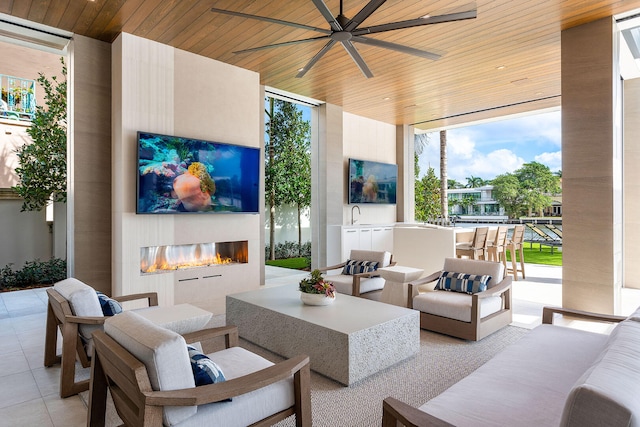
(515, 247)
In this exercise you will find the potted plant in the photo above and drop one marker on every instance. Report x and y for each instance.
(314, 290)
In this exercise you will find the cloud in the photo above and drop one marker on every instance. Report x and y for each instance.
(490, 149)
(552, 160)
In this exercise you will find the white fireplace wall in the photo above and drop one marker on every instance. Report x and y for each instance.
(158, 88)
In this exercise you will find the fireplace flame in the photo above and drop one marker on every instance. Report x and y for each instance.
(175, 257)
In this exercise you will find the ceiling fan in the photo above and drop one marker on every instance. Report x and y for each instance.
(347, 31)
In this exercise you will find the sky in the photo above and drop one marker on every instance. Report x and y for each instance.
(490, 149)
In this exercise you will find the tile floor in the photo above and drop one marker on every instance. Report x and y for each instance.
(29, 391)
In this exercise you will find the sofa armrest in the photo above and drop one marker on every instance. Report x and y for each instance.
(333, 267)
(548, 315)
(228, 389)
(394, 411)
(229, 332)
(151, 297)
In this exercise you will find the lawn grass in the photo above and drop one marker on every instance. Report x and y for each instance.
(533, 255)
(295, 263)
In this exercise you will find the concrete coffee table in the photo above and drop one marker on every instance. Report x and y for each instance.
(347, 340)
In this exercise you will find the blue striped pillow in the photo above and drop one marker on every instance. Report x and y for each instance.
(205, 370)
(356, 267)
(461, 282)
(109, 306)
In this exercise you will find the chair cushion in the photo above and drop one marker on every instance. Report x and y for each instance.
(382, 257)
(470, 266)
(356, 267)
(205, 371)
(108, 305)
(344, 283)
(248, 408)
(462, 282)
(83, 301)
(163, 352)
(454, 305)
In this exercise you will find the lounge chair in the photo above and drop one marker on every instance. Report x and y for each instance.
(544, 239)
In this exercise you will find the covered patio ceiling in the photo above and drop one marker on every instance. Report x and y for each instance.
(505, 61)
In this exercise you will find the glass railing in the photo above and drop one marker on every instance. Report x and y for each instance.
(18, 100)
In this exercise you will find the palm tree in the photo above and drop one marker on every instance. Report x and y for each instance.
(474, 182)
(444, 204)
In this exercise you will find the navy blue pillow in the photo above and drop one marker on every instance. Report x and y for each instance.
(461, 282)
(108, 305)
(357, 267)
(205, 371)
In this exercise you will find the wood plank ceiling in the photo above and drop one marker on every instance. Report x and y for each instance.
(505, 61)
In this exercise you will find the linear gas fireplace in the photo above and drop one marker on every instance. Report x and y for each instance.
(164, 259)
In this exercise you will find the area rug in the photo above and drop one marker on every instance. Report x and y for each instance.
(441, 362)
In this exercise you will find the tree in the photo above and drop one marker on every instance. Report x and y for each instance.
(288, 169)
(453, 184)
(474, 182)
(427, 196)
(43, 162)
(526, 190)
(444, 204)
(538, 184)
(506, 191)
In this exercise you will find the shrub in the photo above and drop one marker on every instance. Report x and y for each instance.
(33, 273)
(291, 250)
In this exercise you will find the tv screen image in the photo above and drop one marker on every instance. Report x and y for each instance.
(186, 175)
(372, 182)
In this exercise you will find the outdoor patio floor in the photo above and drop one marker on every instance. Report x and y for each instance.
(29, 391)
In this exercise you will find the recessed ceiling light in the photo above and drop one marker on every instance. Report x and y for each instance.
(386, 98)
(300, 69)
(501, 67)
(427, 16)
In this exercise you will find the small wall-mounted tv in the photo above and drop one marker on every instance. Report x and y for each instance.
(372, 182)
(186, 175)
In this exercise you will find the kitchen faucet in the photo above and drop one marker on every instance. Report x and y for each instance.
(352, 220)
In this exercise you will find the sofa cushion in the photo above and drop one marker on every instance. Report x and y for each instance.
(356, 267)
(83, 301)
(524, 385)
(205, 370)
(109, 306)
(462, 282)
(454, 305)
(470, 266)
(163, 352)
(609, 392)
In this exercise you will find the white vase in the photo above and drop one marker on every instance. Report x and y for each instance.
(316, 299)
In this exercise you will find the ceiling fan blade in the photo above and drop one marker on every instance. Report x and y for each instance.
(272, 20)
(357, 58)
(315, 58)
(324, 10)
(254, 49)
(364, 13)
(450, 17)
(398, 48)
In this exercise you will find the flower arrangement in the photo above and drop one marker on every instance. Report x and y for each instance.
(315, 284)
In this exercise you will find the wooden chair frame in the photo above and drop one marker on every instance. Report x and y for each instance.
(114, 368)
(479, 327)
(59, 315)
(515, 247)
(478, 247)
(355, 290)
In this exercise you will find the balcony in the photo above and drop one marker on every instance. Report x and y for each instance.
(18, 98)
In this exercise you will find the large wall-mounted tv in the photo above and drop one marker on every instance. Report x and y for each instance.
(372, 182)
(186, 175)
